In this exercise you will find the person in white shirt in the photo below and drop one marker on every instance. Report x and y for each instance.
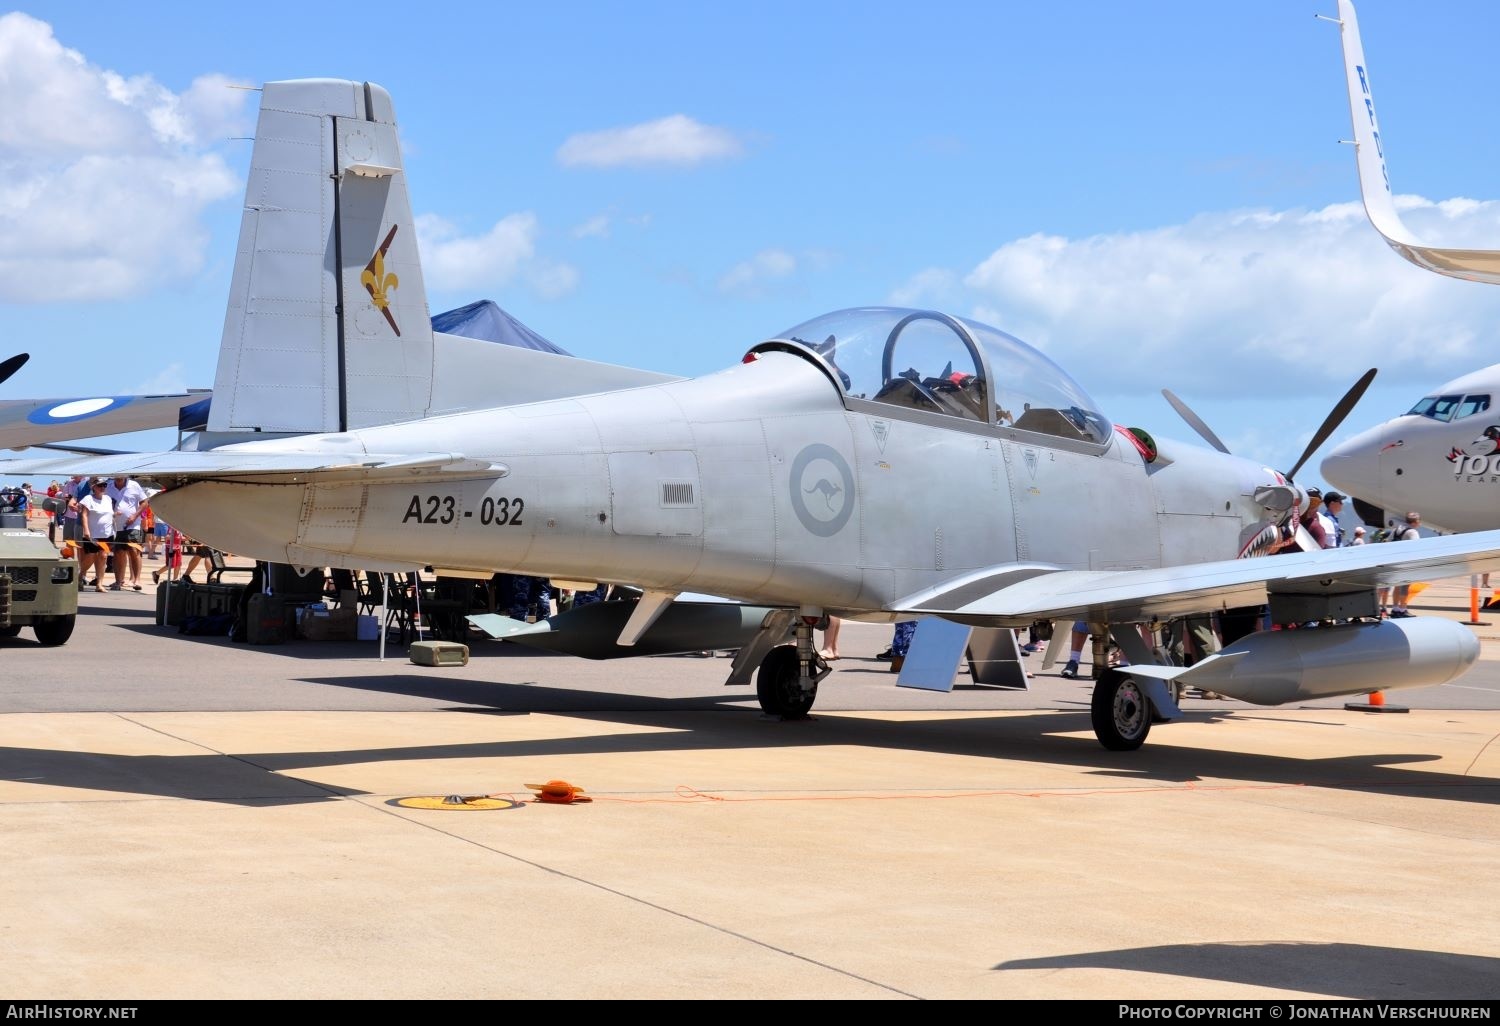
(96, 522)
(128, 497)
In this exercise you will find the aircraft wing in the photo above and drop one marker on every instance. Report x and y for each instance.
(1017, 594)
(226, 464)
(26, 422)
(1374, 181)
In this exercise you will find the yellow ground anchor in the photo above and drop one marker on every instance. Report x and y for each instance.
(459, 803)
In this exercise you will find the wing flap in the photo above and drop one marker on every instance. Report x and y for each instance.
(1017, 594)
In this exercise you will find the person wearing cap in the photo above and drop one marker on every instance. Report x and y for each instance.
(1313, 519)
(96, 517)
(1359, 535)
(1333, 505)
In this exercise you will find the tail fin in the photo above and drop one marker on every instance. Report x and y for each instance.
(327, 327)
(1374, 182)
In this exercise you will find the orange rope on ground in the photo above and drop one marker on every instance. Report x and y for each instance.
(690, 795)
(1479, 753)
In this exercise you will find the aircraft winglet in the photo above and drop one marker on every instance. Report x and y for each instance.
(1482, 265)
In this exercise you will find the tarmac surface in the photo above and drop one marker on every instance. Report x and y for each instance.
(186, 817)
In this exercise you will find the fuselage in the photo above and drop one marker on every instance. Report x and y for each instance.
(758, 483)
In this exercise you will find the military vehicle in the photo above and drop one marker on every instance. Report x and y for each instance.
(38, 587)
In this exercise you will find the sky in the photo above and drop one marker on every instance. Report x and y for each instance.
(1153, 194)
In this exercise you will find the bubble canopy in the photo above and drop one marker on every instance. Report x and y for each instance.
(937, 364)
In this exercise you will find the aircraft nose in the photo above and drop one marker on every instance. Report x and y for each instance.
(1353, 467)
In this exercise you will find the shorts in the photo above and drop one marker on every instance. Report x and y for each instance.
(161, 530)
(90, 547)
(72, 530)
(202, 550)
(130, 536)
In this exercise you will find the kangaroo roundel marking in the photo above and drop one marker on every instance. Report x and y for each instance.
(822, 488)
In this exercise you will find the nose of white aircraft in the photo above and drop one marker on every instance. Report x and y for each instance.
(1353, 467)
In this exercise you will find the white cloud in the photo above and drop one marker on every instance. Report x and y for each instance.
(677, 139)
(552, 279)
(933, 287)
(504, 254)
(1289, 299)
(169, 379)
(750, 277)
(595, 227)
(105, 177)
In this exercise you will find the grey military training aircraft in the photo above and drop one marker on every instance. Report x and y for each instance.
(876, 463)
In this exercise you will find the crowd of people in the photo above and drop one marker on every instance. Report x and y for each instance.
(110, 526)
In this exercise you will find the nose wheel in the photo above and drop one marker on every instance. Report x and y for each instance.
(1120, 711)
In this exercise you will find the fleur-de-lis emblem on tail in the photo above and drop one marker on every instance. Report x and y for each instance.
(377, 282)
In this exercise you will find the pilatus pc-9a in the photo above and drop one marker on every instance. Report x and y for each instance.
(875, 464)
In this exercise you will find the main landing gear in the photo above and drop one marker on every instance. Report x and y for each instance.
(789, 675)
(1120, 711)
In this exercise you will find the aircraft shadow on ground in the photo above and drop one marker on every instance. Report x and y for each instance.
(479, 648)
(132, 613)
(1338, 969)
(1059, 738)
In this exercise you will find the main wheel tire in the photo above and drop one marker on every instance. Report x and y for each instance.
(1121, 712)
(14, 630)
(777, 687)
(54, 630)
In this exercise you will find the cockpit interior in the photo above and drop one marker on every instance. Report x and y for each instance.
(933, 364)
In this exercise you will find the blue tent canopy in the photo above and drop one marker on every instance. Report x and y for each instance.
(482, 320)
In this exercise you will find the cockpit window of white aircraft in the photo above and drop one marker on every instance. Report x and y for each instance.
(937, 364)
(1472, 405)
(1437, 407)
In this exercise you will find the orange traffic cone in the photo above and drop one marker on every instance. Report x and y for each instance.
(1473, 620)
(1375, 702)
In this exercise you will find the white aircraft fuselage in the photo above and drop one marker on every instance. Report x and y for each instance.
(1442, 459)
(669, 486)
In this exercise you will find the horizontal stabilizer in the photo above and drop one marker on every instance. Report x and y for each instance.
(218, 464)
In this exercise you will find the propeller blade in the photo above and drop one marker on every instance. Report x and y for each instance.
(1194, 422)
(1335, 418)
(12, 365)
